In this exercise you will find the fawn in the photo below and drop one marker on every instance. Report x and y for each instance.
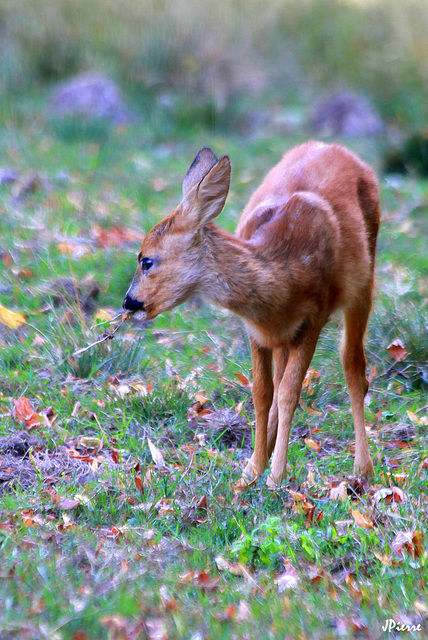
(304, 248)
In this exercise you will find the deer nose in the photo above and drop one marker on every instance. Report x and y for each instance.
(130, 304)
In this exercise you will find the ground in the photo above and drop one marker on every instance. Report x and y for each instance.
(118, 515)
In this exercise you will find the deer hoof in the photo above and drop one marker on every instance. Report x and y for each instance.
(250, 475)
(364, 468)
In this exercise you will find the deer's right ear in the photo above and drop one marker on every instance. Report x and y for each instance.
(201, 165)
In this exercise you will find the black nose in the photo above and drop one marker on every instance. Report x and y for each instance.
(130, 304)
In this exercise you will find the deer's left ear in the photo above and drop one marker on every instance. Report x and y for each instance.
(212, 191)
(206, 201)
(204, 161)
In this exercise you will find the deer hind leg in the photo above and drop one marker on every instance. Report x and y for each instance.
(299, 359)
(262, 398)
(354, 365)
(280, 358)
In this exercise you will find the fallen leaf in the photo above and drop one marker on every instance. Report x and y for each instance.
(356, 592)
(114, 236)
(312, 444)
(157, 456)
(340, 492)
(402, 542)
(423, 465)
(200, 579)
(11, 319)
(153, 629)
(361, 520)
(235, 568)
(310, 376)
(390, 494)
(168, 602)
(397, 350)
(417, 538)
(413, 417)
(244, 612)
(66, 504)
(287, 580)
(24, 411)
(243, 380)
(201, 397)
(421, 607)
(73, 249)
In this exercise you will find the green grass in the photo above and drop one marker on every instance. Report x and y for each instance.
(141, 547)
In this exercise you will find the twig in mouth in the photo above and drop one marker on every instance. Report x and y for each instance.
(107, 335)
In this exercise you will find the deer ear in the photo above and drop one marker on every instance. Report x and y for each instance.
(201, 165)
(212, 191)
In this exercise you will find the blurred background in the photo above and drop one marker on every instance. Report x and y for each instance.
(234, 65)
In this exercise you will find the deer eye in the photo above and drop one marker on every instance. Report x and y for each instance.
(145, 264)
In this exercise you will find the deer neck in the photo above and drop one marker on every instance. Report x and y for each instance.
(235, 276)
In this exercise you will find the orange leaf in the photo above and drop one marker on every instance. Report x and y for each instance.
(312, 444)
(417, 538)
(24, 411)
(361, 520)
(397, 350)
(243, 380)
(309, 378)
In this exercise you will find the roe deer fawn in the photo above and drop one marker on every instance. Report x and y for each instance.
(304, 247)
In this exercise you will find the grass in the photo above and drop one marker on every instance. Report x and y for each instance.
(134, 552)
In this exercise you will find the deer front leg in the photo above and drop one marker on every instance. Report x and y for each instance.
(280, 358)
(262, 398)
(289, 389)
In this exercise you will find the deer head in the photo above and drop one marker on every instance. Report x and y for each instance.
(170, 263)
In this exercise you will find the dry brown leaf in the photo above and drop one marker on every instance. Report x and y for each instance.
(302, 502)
(417, 538)
(168, 602)
(410, 542)
(423, 465)
(154, 629)
(165, 507)
(362, 521)
(24, 411)
(340, 492)
(312, 444)
(115, 236)
(244, 612)
(157, 456)
(66, 504)
(310, 376)
(402, 542)
(384, 559)
(200, 579)
(355, 590)
(289, 579)
(397, 350)
(201, 397)
(235, 568)
(390, 494)
(74, 249)
(243, 380)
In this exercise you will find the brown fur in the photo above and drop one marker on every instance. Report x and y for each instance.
(304, 247)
